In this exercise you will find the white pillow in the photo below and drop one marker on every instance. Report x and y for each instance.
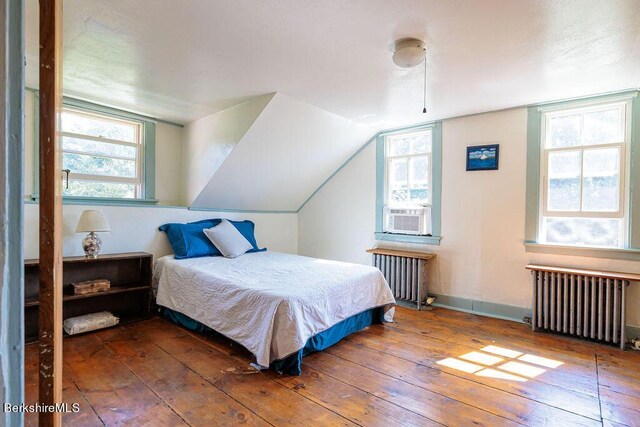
(229, 241)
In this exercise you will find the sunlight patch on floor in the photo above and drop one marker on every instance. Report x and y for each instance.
(522, 369)
(501, 351)
(483, 358)
(467, 367)
(500, 375)
(512, 365)
(542, 361)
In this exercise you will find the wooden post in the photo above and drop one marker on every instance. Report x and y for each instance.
(11, 202)
(50, 311)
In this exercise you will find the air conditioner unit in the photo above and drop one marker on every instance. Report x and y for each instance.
(415, 221)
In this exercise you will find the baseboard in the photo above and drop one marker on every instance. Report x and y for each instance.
(632, 331)
(482, 308)
(499, 311)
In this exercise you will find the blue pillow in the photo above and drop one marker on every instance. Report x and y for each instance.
(189, 241)
(247, 229)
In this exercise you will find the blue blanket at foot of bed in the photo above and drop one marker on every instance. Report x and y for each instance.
(292, 365)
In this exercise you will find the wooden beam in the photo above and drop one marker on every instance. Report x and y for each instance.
(50, 311)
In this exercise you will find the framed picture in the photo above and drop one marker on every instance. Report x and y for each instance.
(483, 157)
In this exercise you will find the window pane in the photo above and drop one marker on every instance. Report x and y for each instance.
(95, 126)
(80, 163)
(563, 193)
(421, 143)
(419, 167)
(399, 196)
(601, 180)
(398, 173)
(584, 231)
(419, 179)
(399, 146)
(602, 127)
(100, 189)
(97, 147)
(419, 195)
(564, 131)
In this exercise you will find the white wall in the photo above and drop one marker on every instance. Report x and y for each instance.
(481, 256)
(136, 229)
(169, 141)
(169, 174)
(339, 221)
(209, 140)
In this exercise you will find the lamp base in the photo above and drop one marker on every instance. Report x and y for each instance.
(91, 245)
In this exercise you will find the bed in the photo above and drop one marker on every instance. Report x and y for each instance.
(278, 306)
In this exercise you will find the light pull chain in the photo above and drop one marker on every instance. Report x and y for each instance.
(424, 110)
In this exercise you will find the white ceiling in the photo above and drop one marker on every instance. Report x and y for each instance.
(182, 60)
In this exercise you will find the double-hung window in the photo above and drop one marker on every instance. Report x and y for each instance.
(409, 176)
(104, 155)
(584, 180)
(408, 158)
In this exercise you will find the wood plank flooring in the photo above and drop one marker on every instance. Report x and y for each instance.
(436, 367)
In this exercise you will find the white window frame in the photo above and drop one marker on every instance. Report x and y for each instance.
(623, 198)
(388, 158)
(138, 180)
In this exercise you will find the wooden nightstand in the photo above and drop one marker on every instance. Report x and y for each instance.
(129, 297)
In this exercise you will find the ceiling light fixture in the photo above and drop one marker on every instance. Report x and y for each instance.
(409, 53)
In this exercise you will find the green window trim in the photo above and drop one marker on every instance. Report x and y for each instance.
(436, 172)
(584, 251)
(109, 201)
(534, 140)
(148, 152)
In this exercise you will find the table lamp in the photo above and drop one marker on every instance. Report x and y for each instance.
(92, 221)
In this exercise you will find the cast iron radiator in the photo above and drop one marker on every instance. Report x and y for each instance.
(406, 273)
(583, 303)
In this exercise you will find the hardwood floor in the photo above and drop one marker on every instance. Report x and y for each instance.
(430, 367)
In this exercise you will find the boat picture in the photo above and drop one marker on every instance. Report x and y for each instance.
(482, 157)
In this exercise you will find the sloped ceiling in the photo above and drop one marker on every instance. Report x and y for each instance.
(287, 152)
(183, 60)
(208, 142)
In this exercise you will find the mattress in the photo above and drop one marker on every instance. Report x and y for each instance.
(269, 302)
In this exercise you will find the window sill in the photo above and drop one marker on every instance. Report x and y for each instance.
(582, 251)
(109, 201)
(408, 238)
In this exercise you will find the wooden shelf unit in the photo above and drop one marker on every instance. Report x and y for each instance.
(129, 297)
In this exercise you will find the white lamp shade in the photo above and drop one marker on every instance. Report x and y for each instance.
(92, 220)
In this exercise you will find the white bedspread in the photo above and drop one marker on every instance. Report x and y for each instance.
(269, 302)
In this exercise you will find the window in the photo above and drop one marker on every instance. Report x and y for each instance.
(582, 167)
(103, 154)
(584, 182)
(408, 184)
(408, 165)
(110, 154)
